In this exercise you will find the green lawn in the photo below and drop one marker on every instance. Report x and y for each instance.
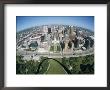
(55, 68)
(55, 48)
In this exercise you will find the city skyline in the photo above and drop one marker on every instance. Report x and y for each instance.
(23, 22)
(55, 49)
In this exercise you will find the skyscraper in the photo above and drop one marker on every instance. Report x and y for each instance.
(49, 30)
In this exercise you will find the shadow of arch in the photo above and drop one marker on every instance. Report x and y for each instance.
(65, 68)
(40, 65)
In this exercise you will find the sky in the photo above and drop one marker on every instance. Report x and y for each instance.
(23, 22)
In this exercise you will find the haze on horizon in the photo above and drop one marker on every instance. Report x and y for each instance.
(24, 22)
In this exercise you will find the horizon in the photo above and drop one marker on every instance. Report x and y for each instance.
(25, 22)
(51, 24)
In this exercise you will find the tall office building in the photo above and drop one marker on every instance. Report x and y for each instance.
(42, 38)
(45, 28)
(49, 30)
(87, 43)
(76, 42)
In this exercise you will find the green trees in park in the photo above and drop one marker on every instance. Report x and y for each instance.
(43, 67)
(31, 66)
(80, 65)
(75, 65)
(20, 65)
(25, 67)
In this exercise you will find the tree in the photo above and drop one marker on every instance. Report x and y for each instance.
(20, 65)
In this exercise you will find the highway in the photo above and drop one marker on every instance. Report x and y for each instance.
(35, 55)
(21, 40)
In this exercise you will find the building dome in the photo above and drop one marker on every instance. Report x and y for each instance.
(33, 45)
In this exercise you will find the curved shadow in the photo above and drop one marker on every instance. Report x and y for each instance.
(65, 68)
(40, 66)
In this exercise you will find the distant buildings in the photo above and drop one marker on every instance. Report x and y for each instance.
(44, 37)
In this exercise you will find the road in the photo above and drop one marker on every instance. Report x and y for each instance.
(20, 41)
(35, 55)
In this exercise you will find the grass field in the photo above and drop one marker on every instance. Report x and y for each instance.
(55, 68)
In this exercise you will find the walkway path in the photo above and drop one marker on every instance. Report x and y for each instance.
(55, 68)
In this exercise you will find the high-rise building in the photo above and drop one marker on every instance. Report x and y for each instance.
(45, 28)
(87, 43)
(76, 42)
(49, 30)
(42, 38)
